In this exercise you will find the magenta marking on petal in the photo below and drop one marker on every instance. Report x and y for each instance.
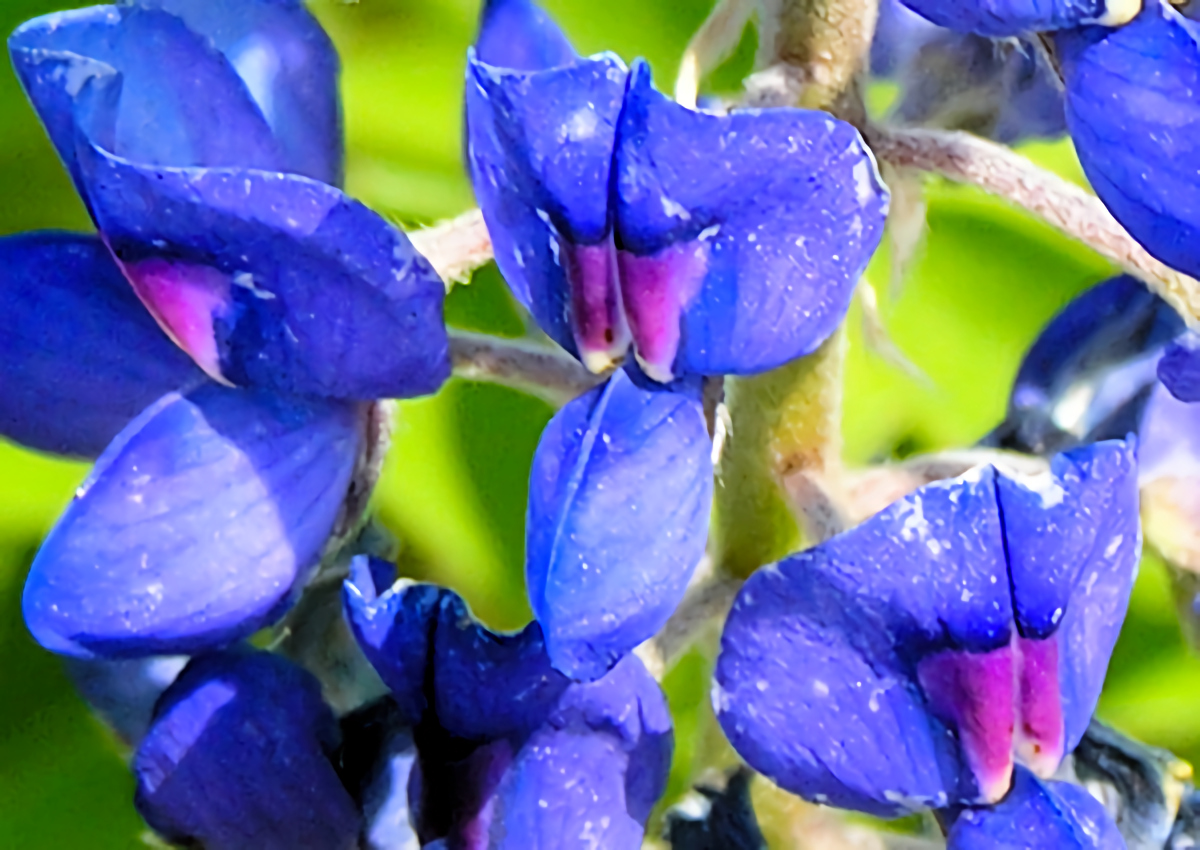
(1040, 735)
(655, 290)
(184, 299)
(597, 315)
(973, 691)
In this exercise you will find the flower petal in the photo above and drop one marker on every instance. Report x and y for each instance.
(238, 758)
(587, 776)
(1037, 816)
(376, 760)
(81, 357)
(540, 147)
(196, 527)
(1073, 548)
(520, 36)
(1169, 439)
(1088, 375)
(274, 281)
(166, 77)
(1134, 115)
(1000, 18)
(1179, 368)
(124, 693)
(740, 238)
(394, 625)
(619, 502)
(488, 685)
(816, 685)
(290, 68)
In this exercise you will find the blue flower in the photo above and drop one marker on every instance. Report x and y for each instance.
(679, 243)
(1037, 815)
(1088, 375)
(912, 660)
(704, 244)
(225, 472)
(239, 756)
(1117, 360)
(511, 753)
(1133, 108)
(1000, 18)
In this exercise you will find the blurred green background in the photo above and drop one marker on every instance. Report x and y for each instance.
(454, 491)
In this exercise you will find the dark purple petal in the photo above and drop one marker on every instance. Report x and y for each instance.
(274, 281)
(1073, 548)
(1179, 369)
(81, 356)
(740, 238)
(124, 693)
(290, 68)
(619, 503)
(1037, 816)
(238, 758)
(196, 527)
(520, 36)
(1001, 18)
(394, 625)
(1088, 375)
(1134, 114)
(175, 100)
(540, 147)
(488, 685)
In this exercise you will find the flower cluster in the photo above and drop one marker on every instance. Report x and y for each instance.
(225, 344)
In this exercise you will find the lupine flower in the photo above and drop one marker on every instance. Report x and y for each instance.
(1037, 815)
(1133, 98)
(1088, 375)
(511, 753)
(1117, 360)
(684, 244)
(1014, 17)
(913, 660)
(239, 756)
(197, 134)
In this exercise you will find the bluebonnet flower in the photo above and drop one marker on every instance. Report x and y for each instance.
(511, 753)
(913, 660)
(683, 244)
(1014, 17)
(1037, 814)
(239, 756)
(198, 134)
(1090, 372)
(1131, 71)
(1117, 360)
(1133, 103)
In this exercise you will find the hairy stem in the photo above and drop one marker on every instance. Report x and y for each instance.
(535, 369)
(996, 169)
(456, 247)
